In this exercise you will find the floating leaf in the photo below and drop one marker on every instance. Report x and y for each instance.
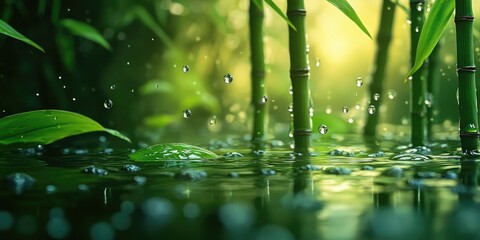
(347, 9)
(280, 13)
(8, 30)
(172, 151)
(433, 28)
(47, 126)
(86, 31)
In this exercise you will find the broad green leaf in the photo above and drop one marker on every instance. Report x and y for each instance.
(433, 28)
(86, 31)
(8, 30)
(347, 9)
(280, 13)
(47, 126)
(172, 151)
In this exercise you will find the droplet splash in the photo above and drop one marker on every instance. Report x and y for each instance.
(345, 109)
(371, 109)
(108, 104)
(185, 68)
(359, 82)
(323, 129)
(187, 113)
(228, 78)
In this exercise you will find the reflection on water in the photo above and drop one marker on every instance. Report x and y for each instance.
(342, 192)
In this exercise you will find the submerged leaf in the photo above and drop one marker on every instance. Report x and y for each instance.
(433, 28)
(280, 13)
(47, 126)
(8, 30)
(172, 151)
(86, 31)
(347, 9)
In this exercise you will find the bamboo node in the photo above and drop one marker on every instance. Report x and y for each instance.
(258, 73)
(302, 72)
(297, 12)
(464, 18)
(302, 132)
(466, 69)
(470, 135)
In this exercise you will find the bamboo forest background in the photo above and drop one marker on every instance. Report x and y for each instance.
(151, 41)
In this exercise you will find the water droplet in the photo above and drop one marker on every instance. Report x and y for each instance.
(108, 104)
(409, 22)
(317, 62)
(290, 90)
(417, 29)
(328, 110)
(357, 106)
(350, 120)
(213, 120)
(37, 94)
(290, 108)
(310, 110)
(128, 63)
(74, 99)
(60, 77)
(345, 109)
(410, 78)
(228, 78)
(376, 96)
(185, 68)
(429, 99)
(359, 82)
(264, 99)
(133, 90)
(64, 86)
(307, 49)
(323, 129)
(391, 94)
(371, 109)
(112, 87)
(187, 113)
(419, 7)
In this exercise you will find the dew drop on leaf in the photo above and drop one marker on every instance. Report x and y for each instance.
(323, 129)
(345, 109)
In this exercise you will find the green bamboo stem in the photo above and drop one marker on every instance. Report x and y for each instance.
(299, 74)
(466, 75)
(383, 42)
(417, 83)
(433, 79)
(257, 72)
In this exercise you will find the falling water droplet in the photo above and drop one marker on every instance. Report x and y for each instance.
(323, 129)
(350, 120)
(417, 29)
(290, 108)
(317, 62)
(185, 68)
(328, 110)
(359, 81)
(128, 63)
(307, 49)
(376, 96)
(228, 78)
(290, 90)
(429, 100)
(60, 77)
(371, 109)
(37, 94)
(187, 113)
(357, 106)
(345, 109)
(213, 120)
(74, 99)
(310, 110)
(391, 94)
(112, 87)
(108, 104)
(419, 7)
(264, 99)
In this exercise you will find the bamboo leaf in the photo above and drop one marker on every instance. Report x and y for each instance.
(8, 30)
(279, 12)
(433, 28)
(172, 151)
(141, 14)
(347, 9)
(258, 3)
(86, 31)
(47, 126)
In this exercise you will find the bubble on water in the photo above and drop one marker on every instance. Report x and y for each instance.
(213, 120)
(391, 94)
(371, 109)
(264, 99)
(376, 96)
(317, 62)
(185, 68)
(323, 129)
(328, 110)
(108, 104)
(112, 87)
(187, 113)
(345, 109)
(359, 81)
(228, 78)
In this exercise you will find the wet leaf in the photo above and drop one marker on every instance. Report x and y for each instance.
(86, 31)
(172, 151)
(347, 9)
(433, 28)
(47, 126)
(8, 30)
(280, 13)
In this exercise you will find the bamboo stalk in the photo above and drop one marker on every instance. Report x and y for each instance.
(299, 74)
(383, 42)
(466, 75)
(433, 79)
(257, 72)
(417, 83)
